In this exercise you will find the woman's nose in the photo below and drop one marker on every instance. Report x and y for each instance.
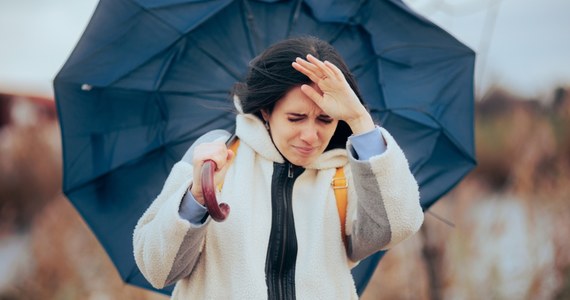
(309, 133)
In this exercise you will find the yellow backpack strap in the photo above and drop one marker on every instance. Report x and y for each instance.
(234, 144)
(340, 187)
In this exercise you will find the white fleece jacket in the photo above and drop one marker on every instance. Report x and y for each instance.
(227, 260)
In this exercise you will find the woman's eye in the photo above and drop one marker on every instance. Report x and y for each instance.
(295, 119)
(326, 120)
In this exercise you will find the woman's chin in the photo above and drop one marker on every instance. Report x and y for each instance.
(301, 160)
(301, 156)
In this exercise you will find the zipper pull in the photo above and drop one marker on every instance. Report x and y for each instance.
(290, 174)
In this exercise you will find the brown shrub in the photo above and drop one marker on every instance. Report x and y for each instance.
(69, 261)
(30, 172)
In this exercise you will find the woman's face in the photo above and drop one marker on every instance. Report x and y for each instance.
(299, 128)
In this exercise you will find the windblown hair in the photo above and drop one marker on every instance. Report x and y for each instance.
(271, 76)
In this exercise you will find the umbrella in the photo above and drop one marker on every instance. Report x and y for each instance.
(150, 76)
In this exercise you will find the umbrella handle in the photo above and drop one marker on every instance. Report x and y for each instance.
(219, 212)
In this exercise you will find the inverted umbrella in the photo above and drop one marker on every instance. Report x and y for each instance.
(150, 76)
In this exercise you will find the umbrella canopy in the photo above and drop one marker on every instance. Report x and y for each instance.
(150, 76)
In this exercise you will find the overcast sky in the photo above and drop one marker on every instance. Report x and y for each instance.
(521, 44)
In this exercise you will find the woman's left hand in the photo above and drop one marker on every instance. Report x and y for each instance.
(337, 99)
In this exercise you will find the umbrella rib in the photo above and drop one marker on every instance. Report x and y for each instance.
(351, 21)
(407, 64)
(442, 219)
(72, 164)
(363, 66)
(199, 93)
(167, 65)
(294, 17)
(216, 60)
(251, 28)
(210, 95)
(151, 12)
(420, 45)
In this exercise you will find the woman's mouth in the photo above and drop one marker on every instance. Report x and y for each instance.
(304, 150)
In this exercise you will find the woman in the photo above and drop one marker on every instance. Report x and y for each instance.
(300, 119)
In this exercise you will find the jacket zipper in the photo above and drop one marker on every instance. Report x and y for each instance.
(285, 229)
(280, 261)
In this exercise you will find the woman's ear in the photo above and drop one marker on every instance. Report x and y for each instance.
(265, 115)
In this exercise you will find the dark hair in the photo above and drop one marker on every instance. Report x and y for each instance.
(271, 76)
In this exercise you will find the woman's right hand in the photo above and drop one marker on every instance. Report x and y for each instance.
(220, 154)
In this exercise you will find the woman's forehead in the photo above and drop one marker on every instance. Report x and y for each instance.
(295, 101)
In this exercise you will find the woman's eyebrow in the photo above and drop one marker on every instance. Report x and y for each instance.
(292, 114)
(296, 114)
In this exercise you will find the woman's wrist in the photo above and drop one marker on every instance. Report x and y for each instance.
(361, 124)
(197, 195)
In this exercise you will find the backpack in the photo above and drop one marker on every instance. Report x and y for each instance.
(338, 183)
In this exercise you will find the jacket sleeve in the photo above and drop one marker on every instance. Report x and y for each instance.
(166, 246)
(387, 208)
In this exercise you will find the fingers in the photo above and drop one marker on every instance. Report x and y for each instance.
(221, 172)
(222, 168)
(309, 70)
(315, 69)
(216, 151)
(334, 69)
(322, 67)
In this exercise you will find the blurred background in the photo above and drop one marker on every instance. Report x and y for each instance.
(502, 233)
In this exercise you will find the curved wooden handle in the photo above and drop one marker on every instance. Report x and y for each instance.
(219, 212)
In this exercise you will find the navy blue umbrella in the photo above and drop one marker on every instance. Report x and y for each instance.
(150, 76)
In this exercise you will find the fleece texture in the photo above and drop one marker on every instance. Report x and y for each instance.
(227, 260)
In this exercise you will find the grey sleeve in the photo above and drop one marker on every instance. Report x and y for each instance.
(385, 206)
(370, 229)
(187, 256)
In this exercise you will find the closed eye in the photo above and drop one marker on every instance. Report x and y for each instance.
(300, 117)
(326, 120)
(295, 119)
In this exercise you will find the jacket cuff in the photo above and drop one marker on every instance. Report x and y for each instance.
(368, 144)
(191, 210)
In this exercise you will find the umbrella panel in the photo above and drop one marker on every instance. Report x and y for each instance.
(112, 139)
(112, 197)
